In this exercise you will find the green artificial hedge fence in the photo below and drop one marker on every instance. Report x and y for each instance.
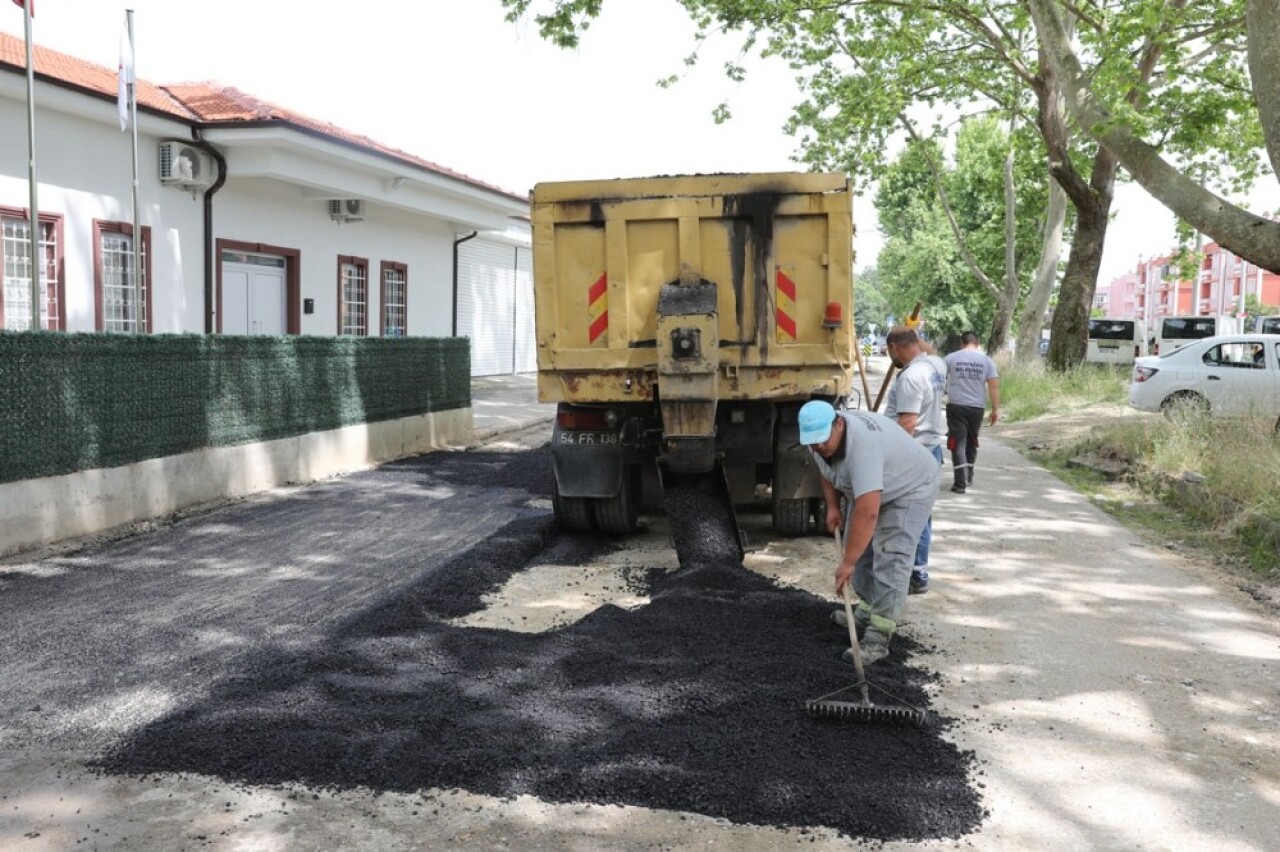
(73, 402)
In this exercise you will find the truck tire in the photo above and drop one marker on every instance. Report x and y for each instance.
(818, 508)
(573, 514)
(791, 517)
(619, 514)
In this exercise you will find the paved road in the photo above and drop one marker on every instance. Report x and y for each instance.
(1114, 695)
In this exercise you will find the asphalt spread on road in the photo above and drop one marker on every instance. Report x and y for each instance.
(691, 703)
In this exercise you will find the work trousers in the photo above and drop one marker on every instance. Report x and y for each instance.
(963, 424)
(920, 570)
(883, 571)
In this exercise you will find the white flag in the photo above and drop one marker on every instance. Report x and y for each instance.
(126, 76)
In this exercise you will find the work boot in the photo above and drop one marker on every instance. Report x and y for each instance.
(957, 488)
(873, 651)
(917, 586)
(843, 620)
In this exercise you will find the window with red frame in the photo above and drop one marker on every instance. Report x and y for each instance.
(353, 296)
(122, 299)
(15, 296)
(395, 299)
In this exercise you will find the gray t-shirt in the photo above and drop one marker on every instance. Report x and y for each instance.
(880, 456)
(918, 390)
(967, 374)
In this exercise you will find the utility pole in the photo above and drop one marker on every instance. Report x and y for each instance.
(31, 172)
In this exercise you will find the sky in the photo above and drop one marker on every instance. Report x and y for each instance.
(453, 82)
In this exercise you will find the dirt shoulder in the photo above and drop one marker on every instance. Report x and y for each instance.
(1049, 438)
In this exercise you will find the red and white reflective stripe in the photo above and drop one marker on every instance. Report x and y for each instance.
(785, 314)
(598, 310)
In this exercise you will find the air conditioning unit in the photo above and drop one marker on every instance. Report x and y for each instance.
(185, 166)
(346, 209)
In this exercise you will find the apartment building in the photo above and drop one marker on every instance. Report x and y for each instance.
(1223, 283)
(1158, 292)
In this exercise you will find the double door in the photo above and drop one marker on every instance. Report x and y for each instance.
(253, 294)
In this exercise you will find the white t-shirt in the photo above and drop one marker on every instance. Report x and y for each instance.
(918, 390)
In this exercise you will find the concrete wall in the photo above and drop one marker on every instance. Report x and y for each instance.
(38, 512)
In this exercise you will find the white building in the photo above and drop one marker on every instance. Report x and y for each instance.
(253, 219)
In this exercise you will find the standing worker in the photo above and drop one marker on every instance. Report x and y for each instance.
(889, 483)
(971, 379)
(915, 402)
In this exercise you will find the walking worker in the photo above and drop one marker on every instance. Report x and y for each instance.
(889, 483)
(915, 402)
(971, 379)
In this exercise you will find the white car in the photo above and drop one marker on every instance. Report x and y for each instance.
(1232, 375)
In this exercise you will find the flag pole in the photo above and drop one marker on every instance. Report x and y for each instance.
(31, 172)
(139, 307)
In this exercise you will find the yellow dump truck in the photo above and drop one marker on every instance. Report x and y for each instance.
(681, 323)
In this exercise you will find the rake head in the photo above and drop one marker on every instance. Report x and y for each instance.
(858, 711)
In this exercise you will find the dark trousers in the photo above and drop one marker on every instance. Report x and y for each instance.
(963, 424)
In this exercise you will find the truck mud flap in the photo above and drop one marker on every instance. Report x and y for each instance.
(704, 526)
(586, 471)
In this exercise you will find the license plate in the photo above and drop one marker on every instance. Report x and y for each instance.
(594, 439)
(1108, 344)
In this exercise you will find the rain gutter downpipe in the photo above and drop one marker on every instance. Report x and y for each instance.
(457, 243)
(208, 226)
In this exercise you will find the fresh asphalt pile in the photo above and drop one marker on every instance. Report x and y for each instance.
(702, 526)
(693, 702)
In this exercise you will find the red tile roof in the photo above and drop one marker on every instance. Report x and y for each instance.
(204, 104)
(61, 68)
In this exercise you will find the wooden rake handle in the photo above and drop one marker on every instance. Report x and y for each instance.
(853, 625)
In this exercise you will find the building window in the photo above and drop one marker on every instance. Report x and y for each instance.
(353, 295)
(395, 299)
(15, 296)
(122, 300)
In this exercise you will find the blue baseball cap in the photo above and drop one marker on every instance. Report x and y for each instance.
(816, 417)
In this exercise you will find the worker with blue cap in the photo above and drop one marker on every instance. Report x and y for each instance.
(889, 483)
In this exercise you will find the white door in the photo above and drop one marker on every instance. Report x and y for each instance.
(253, 294)
(487, 304)
(526, 343)
(235, 300)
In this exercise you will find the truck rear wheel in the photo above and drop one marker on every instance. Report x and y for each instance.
(619, 514)
(791, 517)
(572, 513)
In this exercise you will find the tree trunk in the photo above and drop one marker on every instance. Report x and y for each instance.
(1075, 298)
(1262, 22)
(1031, 320)
(1002, 323)
(1252, 237)
(1007, 301)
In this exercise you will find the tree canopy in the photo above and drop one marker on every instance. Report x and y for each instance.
(1231, 105)
(922, 261)
(1173, 74)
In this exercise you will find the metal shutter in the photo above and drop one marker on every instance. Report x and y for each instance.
(487, 304)
(526, 335)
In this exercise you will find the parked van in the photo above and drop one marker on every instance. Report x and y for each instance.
(1116, 341)
(1173, 333)
(1267, 325)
